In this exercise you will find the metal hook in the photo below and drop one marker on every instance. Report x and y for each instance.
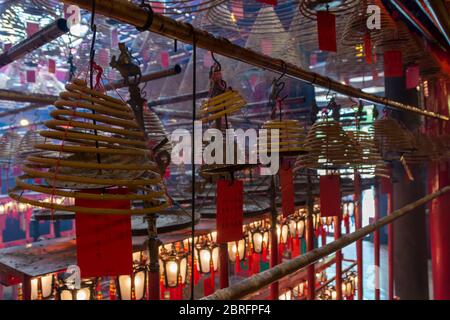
(219, 66)
(283, 73)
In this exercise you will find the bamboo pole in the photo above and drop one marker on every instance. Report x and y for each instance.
(11, 95)
(267, 277)
(130, 13)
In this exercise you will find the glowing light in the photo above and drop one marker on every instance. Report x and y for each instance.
(24, 122)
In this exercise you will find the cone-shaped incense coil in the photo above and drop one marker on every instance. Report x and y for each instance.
(26, 146)
(221, 105)
(107, 149)
(290, 140)
(330, 148)
(371, 162)
(391, 138)
(426, 149)
(155, 131)
(8, 146)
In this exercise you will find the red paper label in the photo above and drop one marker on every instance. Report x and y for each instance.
(31, 76)
(393, 64)
(386, 185)
(330, 196)
(287, 191)
(230, 210)
(104, 246)
(51, 66)
(266, 46)
(158, 7)
(412, 77)
(326, 29)
(32, 28)
(368, 48)
(165, 59)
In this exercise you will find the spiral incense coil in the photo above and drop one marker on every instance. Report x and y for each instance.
(309, 8)
(107, 149)
(392, 139)
(155, 131)
(26, 146)
(426, 149)
(8, 146)
(371, 161)
(221, 105)
(291, 138)
(330, 148)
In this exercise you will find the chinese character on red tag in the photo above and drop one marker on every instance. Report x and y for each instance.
(326, 30)
(330, 196)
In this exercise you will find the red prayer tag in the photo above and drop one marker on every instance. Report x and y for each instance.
(158, 7)
(266, 46)
(368, 48)
(51, 66)
(32, 28)
(287, 191)
(386, 185)
(393, 64)
(104, 246)
(412, 76)
(230, 210)
(31, 76)
(326, 29)
(164, 59)
(330, 196)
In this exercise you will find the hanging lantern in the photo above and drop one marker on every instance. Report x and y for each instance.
(133, 287)
(300, 290)
(207, 255)
(286, 295)
(321, 277)
(347, 287)
(353, 277)
(212, 237)
(187, 243)
(327, 221)
(330, 291)
(85, 292)
(259, 238)
(237, 249)
(300, 226)
(42, 287)
(174, 267)
(283, 232)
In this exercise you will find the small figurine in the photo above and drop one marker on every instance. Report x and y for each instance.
(125, 65)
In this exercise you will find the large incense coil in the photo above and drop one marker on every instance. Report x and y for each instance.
(425, 150)
(221, 105)
(392, 139)
(107, 152)
(371, 159)
(309, 8)
(291, 138)
(155, 130)
(330, 148)
(8, 146)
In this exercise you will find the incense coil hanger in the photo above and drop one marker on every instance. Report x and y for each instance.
(107, 149)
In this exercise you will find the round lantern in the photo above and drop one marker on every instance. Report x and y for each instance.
(42, 287)
(292, 226)
(330, 291)
(237, 249)
(300, 226)
(259, 237)
(174, 267)
(347, 287)
(207, 255)
(133, 287)
(85, 292)
(212, 237)
(187, 243)
(353, 277)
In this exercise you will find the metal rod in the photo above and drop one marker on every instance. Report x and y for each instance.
(145, 78)
(177, 99)
(358, 225)
(37, 40)
(130, 13)
(260, 280)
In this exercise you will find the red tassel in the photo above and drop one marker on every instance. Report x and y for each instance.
(196, 273)
(393, 64)
(212, 280)
(280, 252)
(255, 263)
(173, 293)
(347, 223)
(264, 254)
(162, 289)
(207, 290)
(238, 265)
(295, 247)
(250, 263)
(368, 48)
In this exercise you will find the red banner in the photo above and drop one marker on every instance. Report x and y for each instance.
(51, 66)
(271, 2)
(412, 76)
(330, 196)
(32, 28)
(104, 246)
(165, 59)
(31, 76)
(230, 210)
(287, 191)
(368, 48)
(326, 29)
(393, 64)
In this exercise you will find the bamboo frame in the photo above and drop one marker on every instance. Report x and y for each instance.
(130, 13)
(265, 278)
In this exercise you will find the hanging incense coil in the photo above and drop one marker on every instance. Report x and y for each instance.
(425, 150)
(291, 138)
(330, 148)
(371, 161)
(309, 8)
(221, 105)
(8, 146)
(107, 149)
(26, 146)
(392, 139)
